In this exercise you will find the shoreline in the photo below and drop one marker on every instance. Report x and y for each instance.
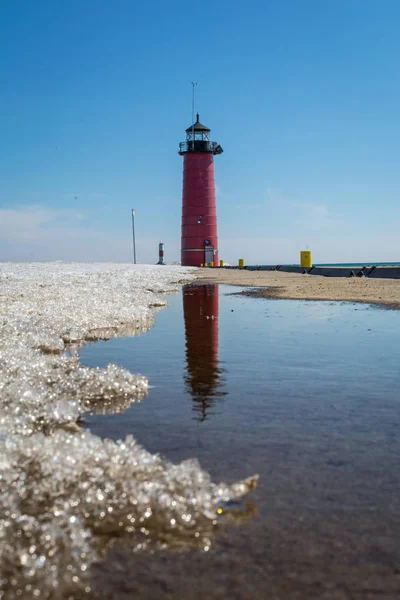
(274, 284)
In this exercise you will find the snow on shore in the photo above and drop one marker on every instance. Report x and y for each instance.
(63, 490)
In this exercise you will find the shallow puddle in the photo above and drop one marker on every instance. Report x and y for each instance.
(303, 393)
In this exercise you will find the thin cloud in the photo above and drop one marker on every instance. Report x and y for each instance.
(316, 217)
(40, 233)
(37, 232)
(29, 223)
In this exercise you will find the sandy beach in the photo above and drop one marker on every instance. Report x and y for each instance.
(310, 287)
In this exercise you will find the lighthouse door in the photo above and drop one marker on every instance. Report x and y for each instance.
(209, 254)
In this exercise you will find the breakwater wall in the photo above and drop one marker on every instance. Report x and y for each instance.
(374, 272)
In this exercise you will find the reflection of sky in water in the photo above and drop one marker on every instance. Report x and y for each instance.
(312, 343)
(297, 314)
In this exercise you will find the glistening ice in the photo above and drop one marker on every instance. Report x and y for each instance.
(63, 490)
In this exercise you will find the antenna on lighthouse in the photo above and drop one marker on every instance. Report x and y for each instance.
(194, 83)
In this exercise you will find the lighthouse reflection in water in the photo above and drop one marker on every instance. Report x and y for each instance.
(203, 377)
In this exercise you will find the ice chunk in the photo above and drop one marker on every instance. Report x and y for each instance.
(65, 492)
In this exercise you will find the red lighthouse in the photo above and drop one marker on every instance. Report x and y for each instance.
(199, 211)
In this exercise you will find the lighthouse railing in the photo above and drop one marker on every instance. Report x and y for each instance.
(197, 146)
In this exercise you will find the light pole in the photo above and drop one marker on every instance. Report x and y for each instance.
(133, 236)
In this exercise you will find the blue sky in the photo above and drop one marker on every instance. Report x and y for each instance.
(303, 95)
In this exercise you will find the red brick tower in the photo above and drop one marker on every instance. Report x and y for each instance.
(199, 211)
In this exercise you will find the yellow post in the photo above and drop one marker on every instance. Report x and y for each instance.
(212, 263)
(241, 262)
(221, 263)
(306, 258)
(201, 264)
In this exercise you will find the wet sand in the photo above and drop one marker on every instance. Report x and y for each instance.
(310, 287)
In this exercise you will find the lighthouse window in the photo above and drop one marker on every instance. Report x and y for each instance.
(200, 136)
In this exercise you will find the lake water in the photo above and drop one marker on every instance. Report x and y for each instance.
(304, 393)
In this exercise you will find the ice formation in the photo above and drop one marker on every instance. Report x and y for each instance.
(64, 493)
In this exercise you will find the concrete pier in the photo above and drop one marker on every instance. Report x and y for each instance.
(374, 272)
